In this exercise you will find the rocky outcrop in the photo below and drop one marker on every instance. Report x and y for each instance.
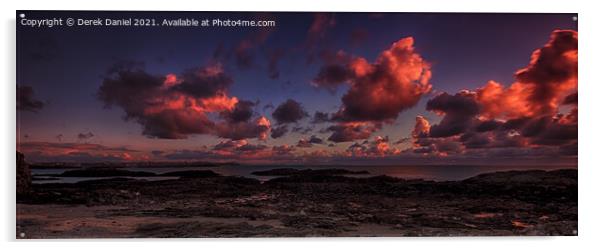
(23, 175)
(201, 204)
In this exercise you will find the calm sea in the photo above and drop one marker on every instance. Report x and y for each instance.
(437, 173)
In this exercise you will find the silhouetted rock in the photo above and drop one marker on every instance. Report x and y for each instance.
(563, 176)
(23, 175)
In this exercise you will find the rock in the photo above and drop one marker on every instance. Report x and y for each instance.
(310, 204)
(563, 177)
(23, 175)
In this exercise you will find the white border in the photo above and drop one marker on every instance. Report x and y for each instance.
(589, 135)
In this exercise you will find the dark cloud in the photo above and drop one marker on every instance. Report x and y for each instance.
(549, 131)
(315, 140)
(302, 130)
(85, 136)
(259, 128)
(459, 111)
(203, 82)
(306, 143)
(279, 131)
(176, 106)
(331, 76)
(438, 146)
(320, 117)
(26, 100)
(344, 132)
(242, 112)
(289, 111)
(379, 91)
(487, 125)
(570, 99)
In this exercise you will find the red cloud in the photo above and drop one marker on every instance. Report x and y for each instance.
(422, 127)
(541, 86)
(393, 83)
(378, 91)
(174, 107)
(524, 115)
(350, 131)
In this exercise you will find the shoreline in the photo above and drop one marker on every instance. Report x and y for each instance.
(303, 205)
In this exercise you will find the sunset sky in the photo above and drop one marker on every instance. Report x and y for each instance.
(391, 88)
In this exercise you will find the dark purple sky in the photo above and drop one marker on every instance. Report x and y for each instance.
(67, 66)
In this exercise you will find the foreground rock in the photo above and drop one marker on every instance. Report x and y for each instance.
(304, 204)
(23, 175)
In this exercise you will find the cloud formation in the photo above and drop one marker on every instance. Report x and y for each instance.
(378, 147)
(525, 115)
(378, 91)
(289, 111)
(307, 143)
(84, 136)
(26, 100)
(176, 106)
(236, 150)
(350, 131)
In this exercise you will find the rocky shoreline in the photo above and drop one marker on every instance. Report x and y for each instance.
(300, 204)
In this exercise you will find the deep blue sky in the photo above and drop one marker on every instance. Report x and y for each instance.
(65, 65)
